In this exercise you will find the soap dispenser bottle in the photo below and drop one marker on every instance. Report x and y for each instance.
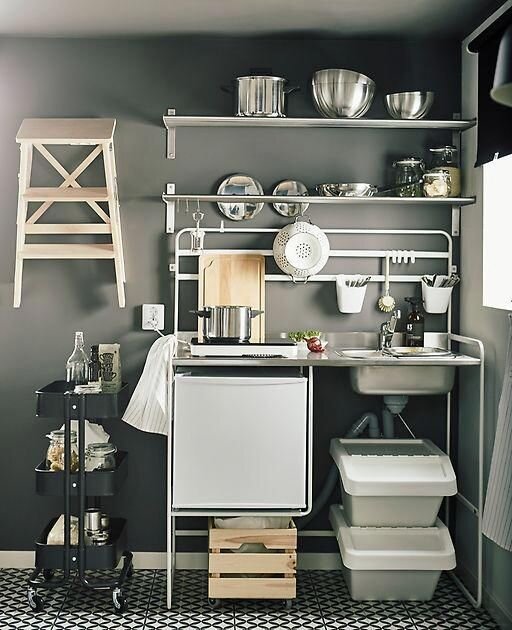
(415, 325)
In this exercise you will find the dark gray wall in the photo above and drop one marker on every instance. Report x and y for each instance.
(136, 81)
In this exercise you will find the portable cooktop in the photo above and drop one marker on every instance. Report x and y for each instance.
(268, 350)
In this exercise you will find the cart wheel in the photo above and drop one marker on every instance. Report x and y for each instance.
(35, 601)
(214, 602)
(48, 574)
(288, 604)
(119, 600)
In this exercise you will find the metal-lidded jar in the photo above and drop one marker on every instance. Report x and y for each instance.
(55, 455)
(227, 323)
(100, 456)
(261, 96)
(447, 158)
(408, 176)
(437, 183)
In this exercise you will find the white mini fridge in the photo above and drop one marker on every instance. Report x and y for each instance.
(239, 443)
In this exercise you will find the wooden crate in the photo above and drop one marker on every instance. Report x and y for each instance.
(272, 574)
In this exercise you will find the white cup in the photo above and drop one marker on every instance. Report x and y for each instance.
(436, 299)
(350, 299)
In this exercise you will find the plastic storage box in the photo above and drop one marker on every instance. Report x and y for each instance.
(392, 563)
(392, 483)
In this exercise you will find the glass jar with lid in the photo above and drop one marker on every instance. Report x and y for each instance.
(447, 158)
(100, 456)
(55, 456)
(408, 177)
(437, 183)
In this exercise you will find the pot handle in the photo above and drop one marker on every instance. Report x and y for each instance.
(202, 313)
(227, 88)
(255, 312)
(292, 88)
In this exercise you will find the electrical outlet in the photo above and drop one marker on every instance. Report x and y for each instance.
(153, 316)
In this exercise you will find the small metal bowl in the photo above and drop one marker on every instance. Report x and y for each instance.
(346, 190)
(409, 105)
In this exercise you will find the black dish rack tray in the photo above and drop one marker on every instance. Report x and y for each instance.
(51, 402)
(98, 483)
(96, 556)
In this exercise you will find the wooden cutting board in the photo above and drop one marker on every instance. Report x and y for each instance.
(233, 280)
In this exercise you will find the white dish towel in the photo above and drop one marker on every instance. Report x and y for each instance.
(151, 399)
(497, 521)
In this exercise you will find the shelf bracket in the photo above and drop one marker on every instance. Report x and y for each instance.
(171, 137)
(455, 220)
(170, 209)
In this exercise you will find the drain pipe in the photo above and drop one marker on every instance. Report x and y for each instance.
(369, 420)
(393, 405)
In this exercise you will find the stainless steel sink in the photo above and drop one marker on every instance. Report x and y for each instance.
(391, 375)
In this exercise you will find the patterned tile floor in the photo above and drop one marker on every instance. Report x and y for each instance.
(322, 602)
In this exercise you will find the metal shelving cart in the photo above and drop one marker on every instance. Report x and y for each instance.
(56, 401)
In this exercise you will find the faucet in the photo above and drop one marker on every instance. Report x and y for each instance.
(387, 330)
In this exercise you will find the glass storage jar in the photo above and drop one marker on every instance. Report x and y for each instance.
(55, 456)
(437, 183)
(447, 158)
(408, 177)
(100, 456)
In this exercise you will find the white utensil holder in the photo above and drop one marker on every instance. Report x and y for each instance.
(350, 299)
(436, 299)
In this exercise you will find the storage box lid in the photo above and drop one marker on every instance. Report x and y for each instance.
(393, 548)
(393, 468)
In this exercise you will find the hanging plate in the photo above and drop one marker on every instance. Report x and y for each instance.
(240, 184)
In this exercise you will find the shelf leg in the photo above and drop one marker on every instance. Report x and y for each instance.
(170, 210)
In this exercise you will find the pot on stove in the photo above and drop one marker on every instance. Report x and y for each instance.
(227, 323)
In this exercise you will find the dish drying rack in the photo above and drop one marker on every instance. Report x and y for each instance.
(396, 255)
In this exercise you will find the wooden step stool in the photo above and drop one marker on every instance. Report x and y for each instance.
(97, 132)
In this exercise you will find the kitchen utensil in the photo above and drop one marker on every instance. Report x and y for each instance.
(293, 188)
(197, 236)
(365, 190)
(222, 323)
(346, 190)
(92, 522)
(233, 279)
(339, 93)
(260, 96)
(386, 302)
(301, 249)
(409, 176)
(409, 105)
(413, 352)
(240, 184)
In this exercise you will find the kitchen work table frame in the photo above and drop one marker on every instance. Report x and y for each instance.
(172, 513)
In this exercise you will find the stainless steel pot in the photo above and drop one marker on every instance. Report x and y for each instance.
(227, 323)
(259, 95)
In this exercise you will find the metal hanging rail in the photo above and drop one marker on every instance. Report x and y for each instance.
(179, 253)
